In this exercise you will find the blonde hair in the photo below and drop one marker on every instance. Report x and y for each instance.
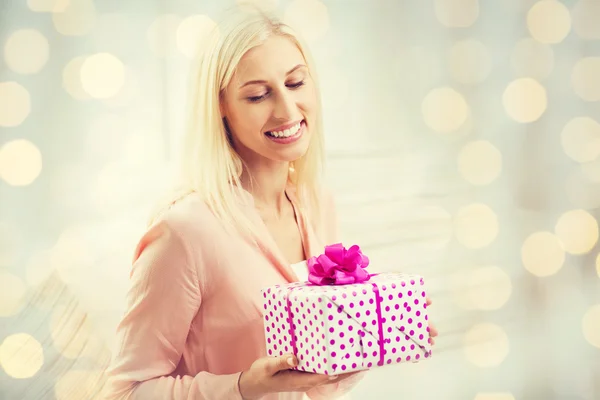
(210, 165)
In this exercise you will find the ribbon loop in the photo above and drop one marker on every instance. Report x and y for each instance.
(338, 266)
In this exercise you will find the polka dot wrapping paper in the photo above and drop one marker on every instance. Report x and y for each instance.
(342, 328)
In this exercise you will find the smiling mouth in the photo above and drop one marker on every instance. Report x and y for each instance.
(286, 133)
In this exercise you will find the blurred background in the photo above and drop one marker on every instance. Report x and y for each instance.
(463, 144)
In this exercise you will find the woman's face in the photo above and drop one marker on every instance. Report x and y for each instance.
(270, 104)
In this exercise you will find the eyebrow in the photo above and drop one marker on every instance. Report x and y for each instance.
(263, 81)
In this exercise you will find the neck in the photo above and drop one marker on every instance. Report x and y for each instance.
(267, 185)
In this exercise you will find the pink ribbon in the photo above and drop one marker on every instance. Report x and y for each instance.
(338, 266)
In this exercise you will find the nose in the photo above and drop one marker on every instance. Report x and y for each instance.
(285, 106)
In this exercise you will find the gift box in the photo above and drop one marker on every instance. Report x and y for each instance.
(344, 319)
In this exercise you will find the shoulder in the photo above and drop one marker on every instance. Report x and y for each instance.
(183, 234)
(189, 217)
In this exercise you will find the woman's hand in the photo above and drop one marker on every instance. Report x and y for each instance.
(433, 332)
(273, 375)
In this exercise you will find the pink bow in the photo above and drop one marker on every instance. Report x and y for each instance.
(338, 266)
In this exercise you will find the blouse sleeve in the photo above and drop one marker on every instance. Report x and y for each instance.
(164, 296)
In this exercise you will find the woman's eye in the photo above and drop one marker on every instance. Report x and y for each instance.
(255, 99)
(296, 84)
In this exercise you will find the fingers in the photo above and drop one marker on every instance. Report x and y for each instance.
(302, 381)
(428, 301)
(343, 377)
(433, 332)
(281, 363)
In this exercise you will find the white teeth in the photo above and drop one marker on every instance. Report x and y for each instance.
(286, 133)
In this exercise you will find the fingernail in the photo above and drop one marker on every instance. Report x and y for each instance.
(290, 361)
(332, 377)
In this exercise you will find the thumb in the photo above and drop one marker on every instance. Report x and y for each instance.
(282, 363)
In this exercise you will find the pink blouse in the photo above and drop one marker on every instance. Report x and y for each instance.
(194, 309)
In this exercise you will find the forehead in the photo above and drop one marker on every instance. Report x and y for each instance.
(271, 60)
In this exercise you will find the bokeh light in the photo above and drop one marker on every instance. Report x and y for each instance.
(38, 268)
(543, 254)
(590, 325)
(585, 19)
(581, 191)
(10, 244)
(12, 294)
(486, 345)
(484, 288)
(309, 17)
(71, 255)
(479, 162)
(598, 265)
(15, 104)
(70, 330)
(591, 170)
(549, 21)
(580, 139)
(476, 226)
(71, 79)
(77, 18)
(586, 79)
(525, 100)
(192, 33)
(21, 356)
(532, 59)
(26, 51)
(470, 61)
(457, 13)
(78, 384)
(444, 110)
(48, 6)
(20, 162)
(102, 75)
(162, 35)
(577, 230)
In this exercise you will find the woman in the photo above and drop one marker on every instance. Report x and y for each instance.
(252, 206)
